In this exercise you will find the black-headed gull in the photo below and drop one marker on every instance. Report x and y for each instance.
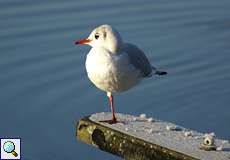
(113, 65)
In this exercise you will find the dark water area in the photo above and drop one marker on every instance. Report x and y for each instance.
(44, 88)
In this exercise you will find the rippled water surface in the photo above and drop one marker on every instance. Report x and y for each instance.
(44, 89)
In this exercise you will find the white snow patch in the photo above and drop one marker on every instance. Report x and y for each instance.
(188, 133)
(219, 148)
(150, 119)
(142, 116)
(225, 141)
(150, 130)
(212, 134)
(173, 128)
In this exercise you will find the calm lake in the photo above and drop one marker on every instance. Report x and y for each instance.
(44, 88)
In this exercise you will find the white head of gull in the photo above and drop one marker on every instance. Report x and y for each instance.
(113, 65)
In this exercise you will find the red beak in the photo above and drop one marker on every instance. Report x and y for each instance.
(82, 41)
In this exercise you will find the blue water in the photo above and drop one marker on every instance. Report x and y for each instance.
(44, 88)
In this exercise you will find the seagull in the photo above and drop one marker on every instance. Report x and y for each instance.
(113, 65)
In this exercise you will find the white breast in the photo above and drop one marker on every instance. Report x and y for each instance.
(111, 73)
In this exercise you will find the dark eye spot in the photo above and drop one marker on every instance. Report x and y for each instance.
(96, 36)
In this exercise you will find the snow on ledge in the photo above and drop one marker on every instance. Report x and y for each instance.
(165, 134)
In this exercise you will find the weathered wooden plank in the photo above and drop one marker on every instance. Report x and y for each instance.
(120, 139)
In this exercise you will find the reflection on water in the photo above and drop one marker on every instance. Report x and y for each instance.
(45, 90)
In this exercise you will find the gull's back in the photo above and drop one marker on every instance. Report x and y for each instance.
(138, 59)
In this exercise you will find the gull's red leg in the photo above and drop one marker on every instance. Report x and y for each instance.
(112, 108)
(113, 120)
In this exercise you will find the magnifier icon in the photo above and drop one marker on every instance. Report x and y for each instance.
(9, 147)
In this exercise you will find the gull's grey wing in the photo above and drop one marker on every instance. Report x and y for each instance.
(138, 59)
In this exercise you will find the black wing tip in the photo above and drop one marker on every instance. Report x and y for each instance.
(161, 73)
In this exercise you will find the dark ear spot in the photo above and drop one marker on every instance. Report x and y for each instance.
(104, 34)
